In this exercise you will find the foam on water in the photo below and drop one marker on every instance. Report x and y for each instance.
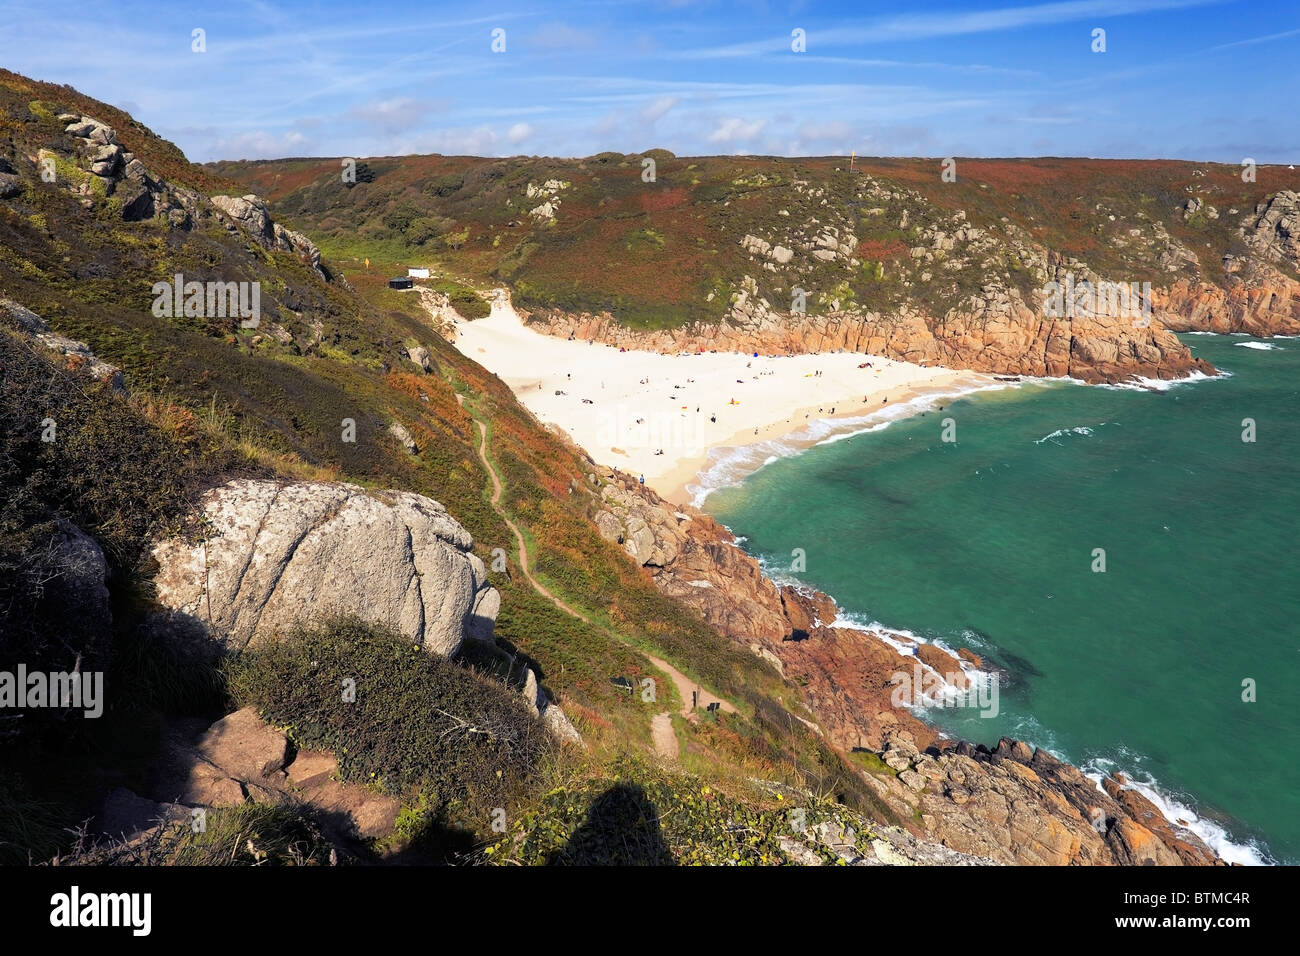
(1174, 809)
(1165, 384)
(1026, 727)
(1063, 432)
(727, 467)
(1262, 346)
(1178, 809)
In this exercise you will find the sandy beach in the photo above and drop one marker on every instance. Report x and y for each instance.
(672, 417)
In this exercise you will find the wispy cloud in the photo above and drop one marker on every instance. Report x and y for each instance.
(949, 23)
(943, 23)
(734, 130)
(1253, 40)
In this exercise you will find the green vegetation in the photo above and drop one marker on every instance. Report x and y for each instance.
(650, 253)
(75, 454)
(209, 401)
(636, 814)
(419, 722)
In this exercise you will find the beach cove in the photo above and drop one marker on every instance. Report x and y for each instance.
(689, 421)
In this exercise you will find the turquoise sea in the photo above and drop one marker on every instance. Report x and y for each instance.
(990, 541)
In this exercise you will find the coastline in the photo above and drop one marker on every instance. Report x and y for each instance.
(687, 477)
(1180, 810)
(736, 459)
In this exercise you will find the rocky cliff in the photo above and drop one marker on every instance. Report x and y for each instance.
(1004, 336)
(1260, 296)
(979, 297)
(802, 255)
(1007, 323)
(1014, 804)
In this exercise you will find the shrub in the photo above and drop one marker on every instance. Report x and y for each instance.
(643, 816)
(425, 228)
(401, 217)
(444, 185)
(419, 722)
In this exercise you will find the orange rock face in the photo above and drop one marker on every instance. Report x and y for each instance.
(1097, 349)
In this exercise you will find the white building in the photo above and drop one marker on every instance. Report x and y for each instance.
(418, 273)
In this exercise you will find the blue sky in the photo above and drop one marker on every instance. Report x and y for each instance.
(1195, 79)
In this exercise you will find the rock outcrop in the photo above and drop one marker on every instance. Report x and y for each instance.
(76, 573)
(77, 355)
(1016, 804)
(275, 554)
(541, 705)
(249, 214)
(119, 173)
(104, 168)
(693, 559)
(241, 759)
(798, 297)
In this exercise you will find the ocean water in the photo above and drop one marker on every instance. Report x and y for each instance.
(991, 541)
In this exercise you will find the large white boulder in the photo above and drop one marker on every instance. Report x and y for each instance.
(277, 554)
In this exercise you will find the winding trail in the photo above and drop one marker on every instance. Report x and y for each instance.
(661, 727)
(519, 535)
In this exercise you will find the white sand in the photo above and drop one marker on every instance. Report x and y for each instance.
(643, 402)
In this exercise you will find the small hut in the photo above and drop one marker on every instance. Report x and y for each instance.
(402, 282)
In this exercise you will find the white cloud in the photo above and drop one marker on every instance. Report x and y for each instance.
(735, 130)
(392, 116)
(259, 144)
(518, 133)
(928, 25)
(476, 141)
(658, 108)
(925, 25)
(1253, 40)
(833, 131)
